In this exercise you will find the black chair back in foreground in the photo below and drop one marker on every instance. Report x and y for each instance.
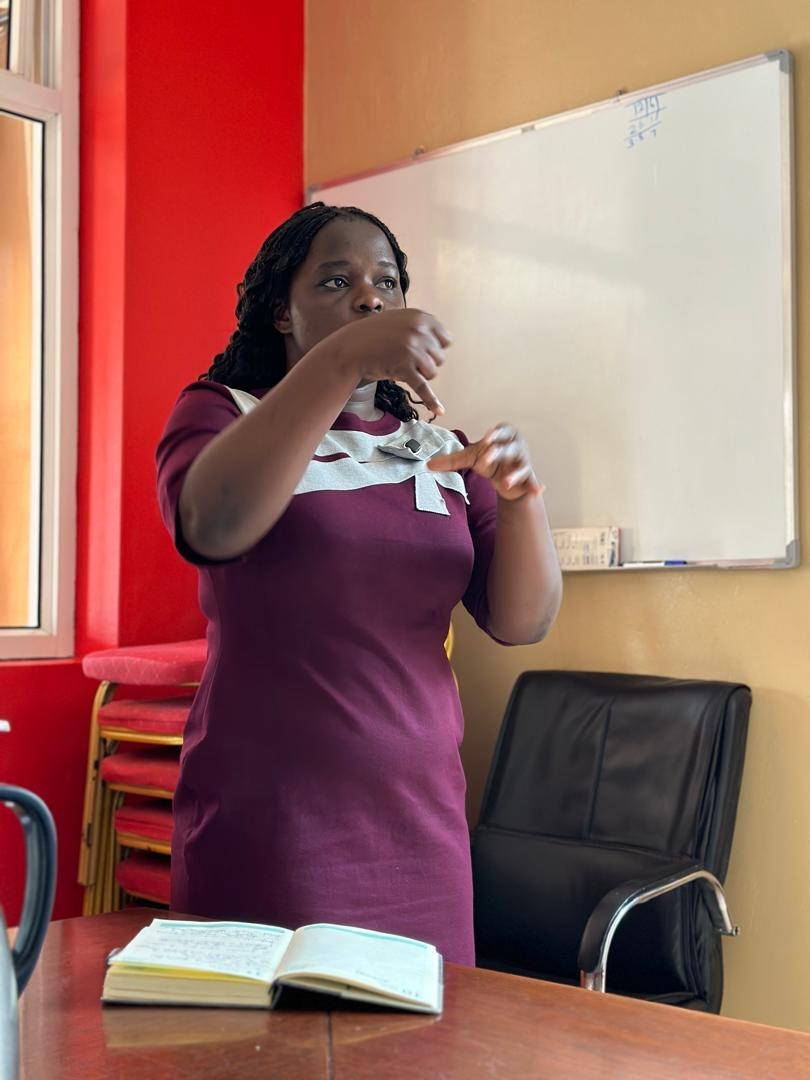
(605, 831)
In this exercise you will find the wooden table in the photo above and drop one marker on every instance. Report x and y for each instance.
(493, 1026)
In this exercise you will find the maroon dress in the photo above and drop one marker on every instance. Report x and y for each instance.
(320, 775)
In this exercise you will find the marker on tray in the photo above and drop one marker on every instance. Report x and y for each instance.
(653, 564)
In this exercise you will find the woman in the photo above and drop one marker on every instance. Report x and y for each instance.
(334, 533)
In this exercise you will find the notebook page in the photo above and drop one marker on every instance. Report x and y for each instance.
(247, 950)
(395, 965)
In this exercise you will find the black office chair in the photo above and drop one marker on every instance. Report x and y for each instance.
(606, 792)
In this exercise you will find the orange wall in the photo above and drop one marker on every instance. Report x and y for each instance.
(191, 133)
(381, 82)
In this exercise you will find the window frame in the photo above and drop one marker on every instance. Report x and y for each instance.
(57, 107)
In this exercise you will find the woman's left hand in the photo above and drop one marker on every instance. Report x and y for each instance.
(502, 456)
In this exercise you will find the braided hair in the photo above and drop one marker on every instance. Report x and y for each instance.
(255, 356)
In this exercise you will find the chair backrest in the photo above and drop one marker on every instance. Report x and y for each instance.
(599, 779)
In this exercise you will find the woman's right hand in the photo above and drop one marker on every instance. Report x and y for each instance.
(242, 481)
(405, 345)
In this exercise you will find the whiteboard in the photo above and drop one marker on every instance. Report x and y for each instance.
(619, 284)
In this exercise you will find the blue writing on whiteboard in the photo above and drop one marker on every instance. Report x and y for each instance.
(644, 118)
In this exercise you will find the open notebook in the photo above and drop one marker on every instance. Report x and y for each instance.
(247, 965)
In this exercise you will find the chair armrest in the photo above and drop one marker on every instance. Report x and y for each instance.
(611, 909)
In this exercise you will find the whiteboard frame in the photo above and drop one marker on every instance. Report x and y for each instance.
(783, 57)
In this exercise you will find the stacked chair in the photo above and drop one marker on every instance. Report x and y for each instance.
(132, 768)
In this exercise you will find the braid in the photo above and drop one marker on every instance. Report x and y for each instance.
(391, 397)
(255, 356)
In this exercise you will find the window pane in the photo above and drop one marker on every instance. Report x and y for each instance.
(5, 14)
(21, 188)
(23, 44)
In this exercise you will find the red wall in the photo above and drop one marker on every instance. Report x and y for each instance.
(192, 142)
(48, 704)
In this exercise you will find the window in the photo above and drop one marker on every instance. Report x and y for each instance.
(38, 324)
(5, 16)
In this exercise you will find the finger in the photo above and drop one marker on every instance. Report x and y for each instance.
(460, 459)
(424, 394)
(504, 433)
(436, 355)
(478, 453)
(488, 436)
(440, 333)
(499, 434)
(504, 455)
(430, 326)
(426, 366)
(518, 476)
(514, 487)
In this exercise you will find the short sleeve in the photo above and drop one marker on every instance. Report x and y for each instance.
(202, 411)
(482, 514)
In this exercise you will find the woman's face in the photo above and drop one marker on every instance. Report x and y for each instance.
(350, 273)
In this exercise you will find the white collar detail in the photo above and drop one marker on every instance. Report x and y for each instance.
(380, 459)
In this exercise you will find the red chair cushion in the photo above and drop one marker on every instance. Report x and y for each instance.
(145, 874)
(150, 819)
(153, 716)
(154, 768)
(148, 665)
